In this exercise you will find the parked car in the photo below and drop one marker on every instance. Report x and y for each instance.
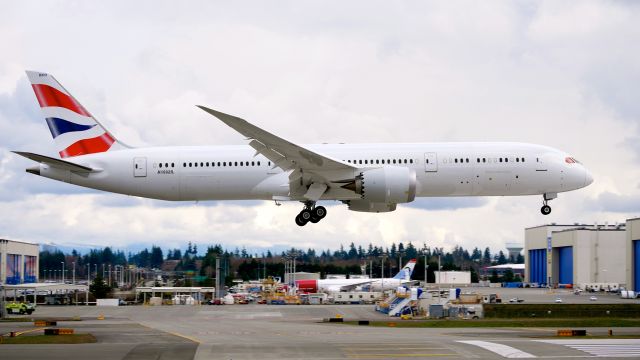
(593, 298)
(558, 300)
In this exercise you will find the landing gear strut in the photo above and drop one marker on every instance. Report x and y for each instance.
(311, 213)
(546, 209)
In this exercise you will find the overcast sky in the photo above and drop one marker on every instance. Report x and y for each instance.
(562, 74)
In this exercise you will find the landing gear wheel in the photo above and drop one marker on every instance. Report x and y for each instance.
(314, 219)
(320, 212)
(545, 210)
(306, 215)
(300, 221)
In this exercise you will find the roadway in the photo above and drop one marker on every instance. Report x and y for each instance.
(293, 332)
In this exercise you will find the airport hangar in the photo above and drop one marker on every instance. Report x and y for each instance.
(582, 255)
(18, 262)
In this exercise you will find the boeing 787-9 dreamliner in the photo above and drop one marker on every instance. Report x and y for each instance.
(365, 177)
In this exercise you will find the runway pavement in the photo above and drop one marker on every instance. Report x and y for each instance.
(294, 332)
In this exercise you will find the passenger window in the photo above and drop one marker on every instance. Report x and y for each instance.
(366, 161)
(467, 159)
(500, 159)
(158, 165)
(258, 163)
(456, 161)
(427, 161)
(517, 159)
(411, 161)
(522, 159)
(394, 161)
(506, 159)
(484, 160)
(224, 163)
(240, 163)
(190, 164)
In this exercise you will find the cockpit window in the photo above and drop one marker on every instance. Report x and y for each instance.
(570, 160)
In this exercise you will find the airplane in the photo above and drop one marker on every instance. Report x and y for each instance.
(403, 277)
(365, 177)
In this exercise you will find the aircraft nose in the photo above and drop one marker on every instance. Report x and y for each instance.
(588, 178)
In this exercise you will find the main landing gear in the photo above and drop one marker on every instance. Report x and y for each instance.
(546, 209)
(311, 213)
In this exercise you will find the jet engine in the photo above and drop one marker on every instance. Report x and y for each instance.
(383, 188)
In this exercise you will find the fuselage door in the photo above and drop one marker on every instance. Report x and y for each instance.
(430, 162)
(139, 167)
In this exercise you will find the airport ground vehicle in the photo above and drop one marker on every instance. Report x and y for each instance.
(20, 308)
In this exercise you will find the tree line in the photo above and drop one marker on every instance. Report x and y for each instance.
(240, 263)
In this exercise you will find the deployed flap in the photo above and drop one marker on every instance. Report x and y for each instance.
(281, 152)
(62, 164)
(315, 191)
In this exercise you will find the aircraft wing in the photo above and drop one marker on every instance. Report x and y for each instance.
(353, 286)
(63, 164)
(283, 153)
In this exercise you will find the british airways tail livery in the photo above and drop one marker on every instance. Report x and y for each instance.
(365, 177)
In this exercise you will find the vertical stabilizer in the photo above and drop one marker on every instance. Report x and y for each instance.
(74, 130)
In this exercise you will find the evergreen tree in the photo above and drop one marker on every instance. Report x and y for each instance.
(486, 257)
(99, 288)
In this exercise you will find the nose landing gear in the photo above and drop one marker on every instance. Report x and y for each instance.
(546, 209)
(311, 213)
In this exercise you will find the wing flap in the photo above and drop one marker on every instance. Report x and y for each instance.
(63, 164)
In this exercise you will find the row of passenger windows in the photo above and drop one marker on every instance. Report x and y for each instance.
(481, 160)
(222, 164)
(380, 161)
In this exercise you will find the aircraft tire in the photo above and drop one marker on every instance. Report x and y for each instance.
(545, 210)
(300, 221)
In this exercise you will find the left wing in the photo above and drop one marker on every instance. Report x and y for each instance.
(281, 152)
(315, 171)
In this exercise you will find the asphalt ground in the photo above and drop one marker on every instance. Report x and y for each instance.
(293, 332)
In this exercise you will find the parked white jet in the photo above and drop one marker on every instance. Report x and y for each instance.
(366, 177)
(403, 277)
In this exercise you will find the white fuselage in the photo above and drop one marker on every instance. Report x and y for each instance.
(234, 173)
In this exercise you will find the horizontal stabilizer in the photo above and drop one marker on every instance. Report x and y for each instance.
(62, 164)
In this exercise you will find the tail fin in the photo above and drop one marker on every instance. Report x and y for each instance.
(74, 130)
(407, 271)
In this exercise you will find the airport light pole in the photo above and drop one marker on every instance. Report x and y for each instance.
(62, 262)
(74, 273)
(88, 283)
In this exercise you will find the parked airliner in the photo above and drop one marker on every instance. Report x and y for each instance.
(365, 177)
(403, 277)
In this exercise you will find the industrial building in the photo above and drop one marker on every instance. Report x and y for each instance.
(633, 254)
(18, 262)
(453, 277)
(576, 255)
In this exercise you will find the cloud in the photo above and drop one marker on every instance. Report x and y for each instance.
(447, 203)
(617, 203)
(553, 73)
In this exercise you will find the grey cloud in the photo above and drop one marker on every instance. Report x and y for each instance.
(447, 203)
(610, 202)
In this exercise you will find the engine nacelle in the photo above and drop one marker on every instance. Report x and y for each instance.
(388, 185)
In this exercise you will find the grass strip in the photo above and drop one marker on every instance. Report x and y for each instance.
(494, 323)
(49, 339)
